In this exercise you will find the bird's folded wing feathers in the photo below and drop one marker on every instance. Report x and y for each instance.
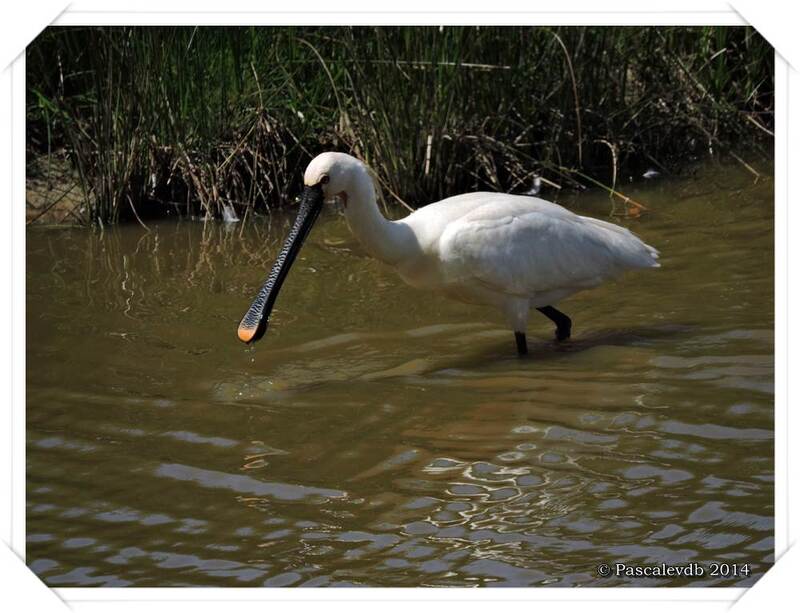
(535, 251)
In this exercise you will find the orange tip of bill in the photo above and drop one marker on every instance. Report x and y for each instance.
(246, 334)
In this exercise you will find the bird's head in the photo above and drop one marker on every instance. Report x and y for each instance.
(336, 174)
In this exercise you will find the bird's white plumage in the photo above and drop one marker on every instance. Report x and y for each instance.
(526, 246)
(512, 252)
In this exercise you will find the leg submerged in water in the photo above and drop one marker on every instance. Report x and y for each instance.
(562, 322)
(522, 343)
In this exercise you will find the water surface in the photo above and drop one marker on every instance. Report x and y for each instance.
(381, 435)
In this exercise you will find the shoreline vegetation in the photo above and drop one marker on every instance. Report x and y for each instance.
(136, 123)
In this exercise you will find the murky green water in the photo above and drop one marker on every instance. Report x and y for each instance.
(380, 435)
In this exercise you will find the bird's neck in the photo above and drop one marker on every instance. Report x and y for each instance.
(388, 241)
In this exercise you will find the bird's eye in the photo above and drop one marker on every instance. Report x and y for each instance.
(325, 179)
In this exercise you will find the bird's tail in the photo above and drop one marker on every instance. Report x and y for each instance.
(632, 251)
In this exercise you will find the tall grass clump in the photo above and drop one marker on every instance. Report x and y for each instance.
(195, 120)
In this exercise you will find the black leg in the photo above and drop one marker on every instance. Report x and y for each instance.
(522, 343)
(562, 322)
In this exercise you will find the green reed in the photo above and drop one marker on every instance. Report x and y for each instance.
(158, 119)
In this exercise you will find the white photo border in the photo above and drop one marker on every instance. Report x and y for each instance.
(12, 366)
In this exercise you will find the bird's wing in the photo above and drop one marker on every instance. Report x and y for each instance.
(530, 246)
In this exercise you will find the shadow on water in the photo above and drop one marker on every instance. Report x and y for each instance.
(379, 435)
(476, 351)
(639, 335)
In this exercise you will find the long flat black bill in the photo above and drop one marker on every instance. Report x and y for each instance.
(254, 323)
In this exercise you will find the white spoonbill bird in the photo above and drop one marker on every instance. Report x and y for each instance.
(515, 253)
